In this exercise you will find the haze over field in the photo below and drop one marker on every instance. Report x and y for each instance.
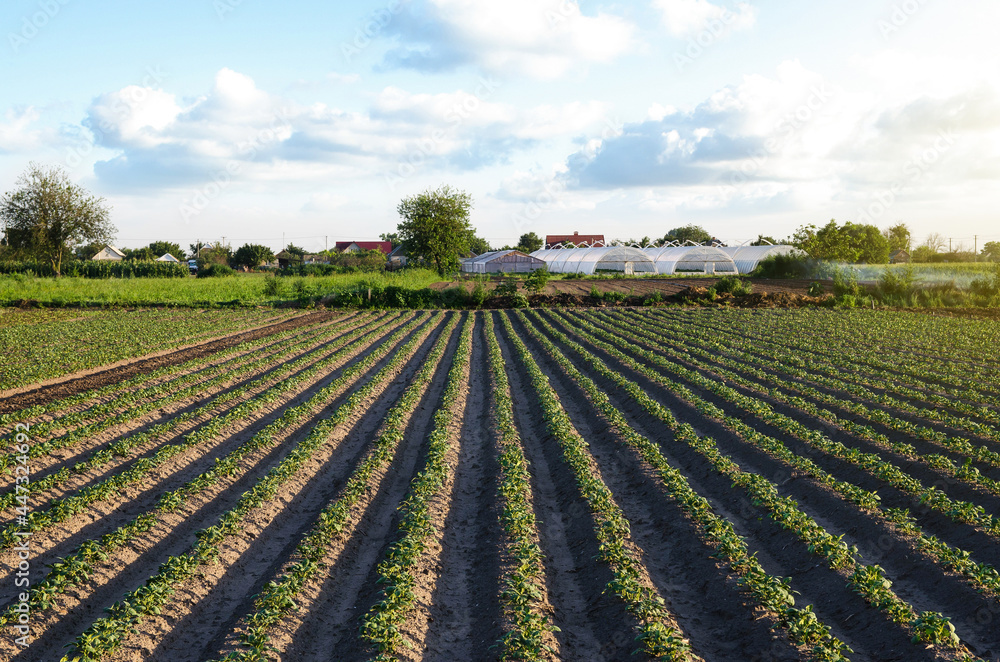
(309, 121)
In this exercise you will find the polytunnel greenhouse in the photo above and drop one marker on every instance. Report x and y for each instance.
(624, 259)
(698, 259)
(748, 257)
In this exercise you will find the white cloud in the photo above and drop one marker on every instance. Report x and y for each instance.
(18, 132)
(253, 135)
(685, 18)
(521, 37)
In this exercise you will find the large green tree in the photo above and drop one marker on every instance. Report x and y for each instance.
(693, 233)
(529, 242)
(852, 242)
(435, 226)
(899, 237)
(252, 256)
(46, 215)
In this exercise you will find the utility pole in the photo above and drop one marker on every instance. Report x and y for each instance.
(949, 244)
(326, 243)
(975, 247)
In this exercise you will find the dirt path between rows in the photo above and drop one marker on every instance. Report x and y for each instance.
(60, 387)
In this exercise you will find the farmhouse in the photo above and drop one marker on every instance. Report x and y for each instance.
(508, 261)
(167, 257)
(109, 253)
(577, 239)
(899, 257)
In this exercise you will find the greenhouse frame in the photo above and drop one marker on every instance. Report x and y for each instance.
(624, 259)
(507, 261)
(700, 259)
(748, 257)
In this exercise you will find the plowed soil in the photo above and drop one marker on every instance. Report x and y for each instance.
(459, 609)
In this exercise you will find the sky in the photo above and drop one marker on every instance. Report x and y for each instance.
(256, 122)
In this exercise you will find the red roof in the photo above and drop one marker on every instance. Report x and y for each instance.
(576, 238)
(384, 246)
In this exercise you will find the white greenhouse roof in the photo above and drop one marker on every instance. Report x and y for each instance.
(591, 260)
(748, 257)
(704, 259)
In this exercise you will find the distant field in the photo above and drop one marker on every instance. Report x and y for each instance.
(41, 344)
(242, 289)
(961, 273)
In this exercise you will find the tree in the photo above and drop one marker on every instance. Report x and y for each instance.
(140, 254)
(435, 226)
(764, 240)
(478, 245)
(853, 242)
(252, 256)
(391, 237)
(196, 249)
(47, 215)
(217, 253)
(991, 251)
(936, 242)
(693, 233)
(296, 250)
(899, 237)
(161, 248)
(529, 242)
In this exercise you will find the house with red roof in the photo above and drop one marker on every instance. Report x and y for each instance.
(576, 239)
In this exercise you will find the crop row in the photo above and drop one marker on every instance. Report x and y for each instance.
(124, 446)
(62, 509)
(278, 597)
(128, 394)
(659, 635)
(867, 580)
(380, 626)
(981, 576)
(524, 581)
(76, 568)
(107, 634)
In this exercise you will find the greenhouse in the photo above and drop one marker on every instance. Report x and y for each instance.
(748, 257)
(697, 259)
(508, 261)
(624, 259)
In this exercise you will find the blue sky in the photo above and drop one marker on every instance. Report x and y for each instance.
(308, 121)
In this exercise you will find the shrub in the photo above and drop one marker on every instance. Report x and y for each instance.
(596, 293)
(845, 282)
(272, 286)
(655, 299)
(734, 285)
(815, 289)
(454, 297)
(216, 271)
(506, 289)
(519, 300)
(896, 283)
(792, 265)
(479, 295)
(537, 280)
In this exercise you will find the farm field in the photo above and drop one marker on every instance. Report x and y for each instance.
(39, 344)
(582, 484)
